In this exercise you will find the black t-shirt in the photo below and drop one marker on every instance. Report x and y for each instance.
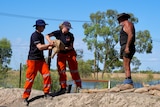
(34, 52)
(67, 38)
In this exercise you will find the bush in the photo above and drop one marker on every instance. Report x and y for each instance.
(150, 77)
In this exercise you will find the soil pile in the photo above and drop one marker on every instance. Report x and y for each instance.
(11, 97)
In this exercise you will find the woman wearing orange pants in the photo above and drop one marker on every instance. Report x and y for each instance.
(36, 62)
(67, 55)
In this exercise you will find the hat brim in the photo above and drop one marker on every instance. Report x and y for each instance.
(123, 16)
(69, 27)
(40, 25)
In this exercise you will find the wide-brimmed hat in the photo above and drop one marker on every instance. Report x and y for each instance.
(40, 22)
(67, 24)
(123, 15)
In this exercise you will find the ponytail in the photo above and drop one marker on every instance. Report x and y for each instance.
(61, 26)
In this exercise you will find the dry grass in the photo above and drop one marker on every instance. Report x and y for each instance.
(107, 76)
(120, 76)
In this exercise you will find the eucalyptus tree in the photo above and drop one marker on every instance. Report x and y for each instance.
(5, 54)
(136, 63)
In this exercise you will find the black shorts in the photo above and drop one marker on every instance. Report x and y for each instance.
(127, 55)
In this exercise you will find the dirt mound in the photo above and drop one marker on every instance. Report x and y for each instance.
(11, 97)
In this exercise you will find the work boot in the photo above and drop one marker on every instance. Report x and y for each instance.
(127, 84)
(61, 91)
(128, 81)
(69, 88)
(78, 89)
(47, 96)
(26, 102)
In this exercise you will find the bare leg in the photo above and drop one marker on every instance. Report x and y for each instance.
(126, 65)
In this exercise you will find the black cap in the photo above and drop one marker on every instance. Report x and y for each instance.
(67, 24)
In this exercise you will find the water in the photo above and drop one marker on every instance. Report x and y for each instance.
(92, 85)
(154, 82)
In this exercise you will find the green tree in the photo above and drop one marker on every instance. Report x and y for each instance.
(143, 42)
(5, 54)
(79, 53)
(102, 34)
(136, 63)
(85, 68)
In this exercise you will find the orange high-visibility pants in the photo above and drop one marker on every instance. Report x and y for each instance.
(70, 57)
(33, 66)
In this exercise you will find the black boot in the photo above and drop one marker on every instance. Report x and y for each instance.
(47, 96)
(61, 91)
(69, 88)
(26, 102)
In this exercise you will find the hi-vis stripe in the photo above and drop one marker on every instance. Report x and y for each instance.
(74, 71)
(62, 71)
(30, 80)
(46, 75)
(78, 80)
(28, 90)
(63, 82)
(47, 85)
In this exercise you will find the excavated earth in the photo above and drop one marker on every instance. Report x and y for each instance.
(11, 97)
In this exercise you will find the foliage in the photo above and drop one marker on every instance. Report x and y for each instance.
(136, 63)
(5, 54)
(85, 68)
(146, 71)
(143, 42)
(3, 76)
(79, 53)
(150, 77)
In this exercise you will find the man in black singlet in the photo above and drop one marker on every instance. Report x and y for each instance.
(127, 40)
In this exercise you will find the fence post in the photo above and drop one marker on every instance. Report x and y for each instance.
(20, 75)
(109, 84)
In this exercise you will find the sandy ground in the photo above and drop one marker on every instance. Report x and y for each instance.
(12, 98)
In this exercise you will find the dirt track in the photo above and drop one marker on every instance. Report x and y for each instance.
(12, 98)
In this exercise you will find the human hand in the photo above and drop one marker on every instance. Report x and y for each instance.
(68, 48)
(51, 45)
(127, 50)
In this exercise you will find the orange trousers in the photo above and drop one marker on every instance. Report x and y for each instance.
(69, 57)
(33, 66)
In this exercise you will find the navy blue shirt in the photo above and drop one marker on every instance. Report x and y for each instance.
(34, 52)
(67, 38)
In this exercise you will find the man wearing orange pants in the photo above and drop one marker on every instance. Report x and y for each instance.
(67, 55)
(36, 62)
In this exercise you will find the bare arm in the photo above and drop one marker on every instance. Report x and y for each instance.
(43, 46)
(128, 28)
(49, 39)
